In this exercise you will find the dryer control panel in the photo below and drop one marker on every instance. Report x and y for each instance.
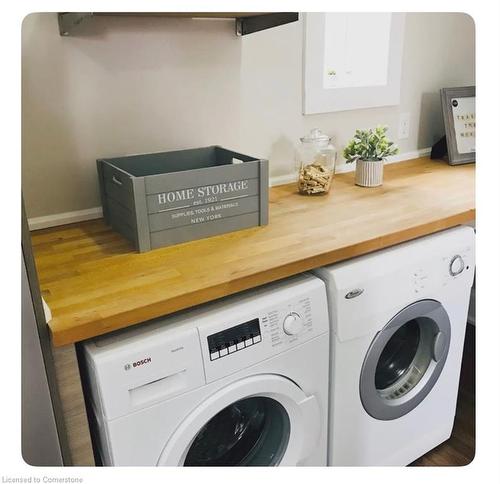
(372, 287)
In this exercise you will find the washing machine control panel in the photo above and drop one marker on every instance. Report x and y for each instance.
(249, 329)
(234, 339)
(280, 327)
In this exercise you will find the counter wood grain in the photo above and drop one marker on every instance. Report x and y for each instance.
(94, 282)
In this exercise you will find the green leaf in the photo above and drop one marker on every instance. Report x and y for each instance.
(369, 144)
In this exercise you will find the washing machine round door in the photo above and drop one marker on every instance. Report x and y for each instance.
(262, 420)
(404, 360)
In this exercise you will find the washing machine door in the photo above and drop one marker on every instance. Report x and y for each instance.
(404, 360)
(262, 420)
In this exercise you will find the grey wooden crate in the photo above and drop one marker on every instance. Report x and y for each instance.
(161, 199)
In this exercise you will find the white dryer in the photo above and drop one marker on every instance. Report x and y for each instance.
(243, 381)
(398, 319)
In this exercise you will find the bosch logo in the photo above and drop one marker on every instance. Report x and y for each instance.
(141, 362)
(135, 364)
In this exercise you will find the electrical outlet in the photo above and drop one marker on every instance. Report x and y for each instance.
(404, 126)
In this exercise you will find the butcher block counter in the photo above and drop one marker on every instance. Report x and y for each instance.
(94, 282)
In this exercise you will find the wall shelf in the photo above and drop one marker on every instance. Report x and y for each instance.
(245, 23)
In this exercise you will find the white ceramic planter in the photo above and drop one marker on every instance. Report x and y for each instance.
(369, 173)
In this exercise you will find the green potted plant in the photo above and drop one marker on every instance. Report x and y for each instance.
(368, 149)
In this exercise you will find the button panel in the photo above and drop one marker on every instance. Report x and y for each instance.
(234, 339)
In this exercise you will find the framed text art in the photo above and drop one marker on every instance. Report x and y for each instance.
(459, 113)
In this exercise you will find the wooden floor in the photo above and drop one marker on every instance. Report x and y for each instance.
(459, 449)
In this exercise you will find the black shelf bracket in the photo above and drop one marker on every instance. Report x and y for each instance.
(69, 20)
(256, 23)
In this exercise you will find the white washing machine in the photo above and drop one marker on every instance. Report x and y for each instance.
(239, 382)
(398, 319)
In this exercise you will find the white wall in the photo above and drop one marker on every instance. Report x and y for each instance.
(132, 85)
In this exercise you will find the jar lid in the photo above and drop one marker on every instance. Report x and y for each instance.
(315, 135)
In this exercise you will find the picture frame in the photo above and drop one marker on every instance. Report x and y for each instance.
(459, 115)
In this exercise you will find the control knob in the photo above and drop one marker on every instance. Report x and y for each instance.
(292, 324)
(456, 265)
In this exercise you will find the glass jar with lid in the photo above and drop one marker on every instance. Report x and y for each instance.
(315, 160)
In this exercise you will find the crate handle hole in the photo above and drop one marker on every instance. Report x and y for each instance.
(115, 180)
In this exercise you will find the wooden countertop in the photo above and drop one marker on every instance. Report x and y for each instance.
(94, 282)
